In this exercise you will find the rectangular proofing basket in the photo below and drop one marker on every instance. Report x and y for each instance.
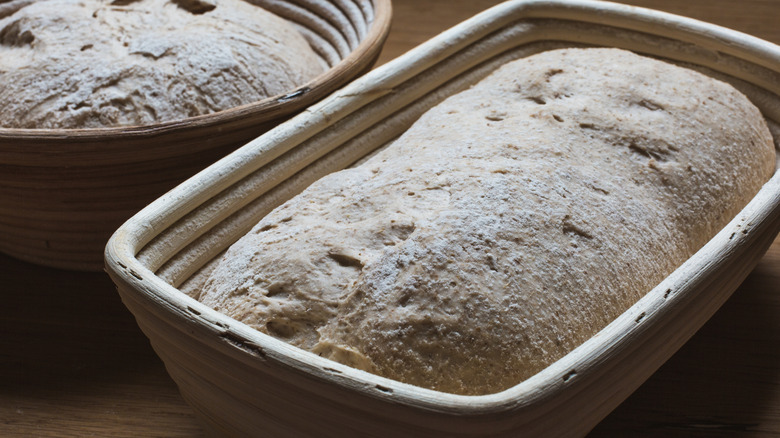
(242, 382)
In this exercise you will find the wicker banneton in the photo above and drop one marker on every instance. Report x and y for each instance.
(64, 191)
(242, 382)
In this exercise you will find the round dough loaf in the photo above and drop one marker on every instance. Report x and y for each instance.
(508, 225)
(99, 63)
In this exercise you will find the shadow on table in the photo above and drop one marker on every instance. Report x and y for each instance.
(72, 359)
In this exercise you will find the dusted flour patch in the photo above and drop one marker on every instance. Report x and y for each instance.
(99, 63)
(507, 226)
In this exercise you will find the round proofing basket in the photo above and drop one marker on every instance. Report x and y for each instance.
(64, 191)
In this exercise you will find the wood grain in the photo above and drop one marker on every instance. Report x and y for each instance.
(73, 362)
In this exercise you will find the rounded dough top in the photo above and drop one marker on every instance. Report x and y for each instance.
(508, 225)
(98, 63)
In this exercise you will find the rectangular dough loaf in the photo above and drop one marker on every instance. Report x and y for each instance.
(507, 226)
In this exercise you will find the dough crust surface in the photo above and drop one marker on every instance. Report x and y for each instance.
(99, 63)
(508, 225)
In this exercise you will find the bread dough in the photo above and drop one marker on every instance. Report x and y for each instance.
(98, 63)
(507, 226)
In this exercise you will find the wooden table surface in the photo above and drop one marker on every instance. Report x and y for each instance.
(73, 362)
